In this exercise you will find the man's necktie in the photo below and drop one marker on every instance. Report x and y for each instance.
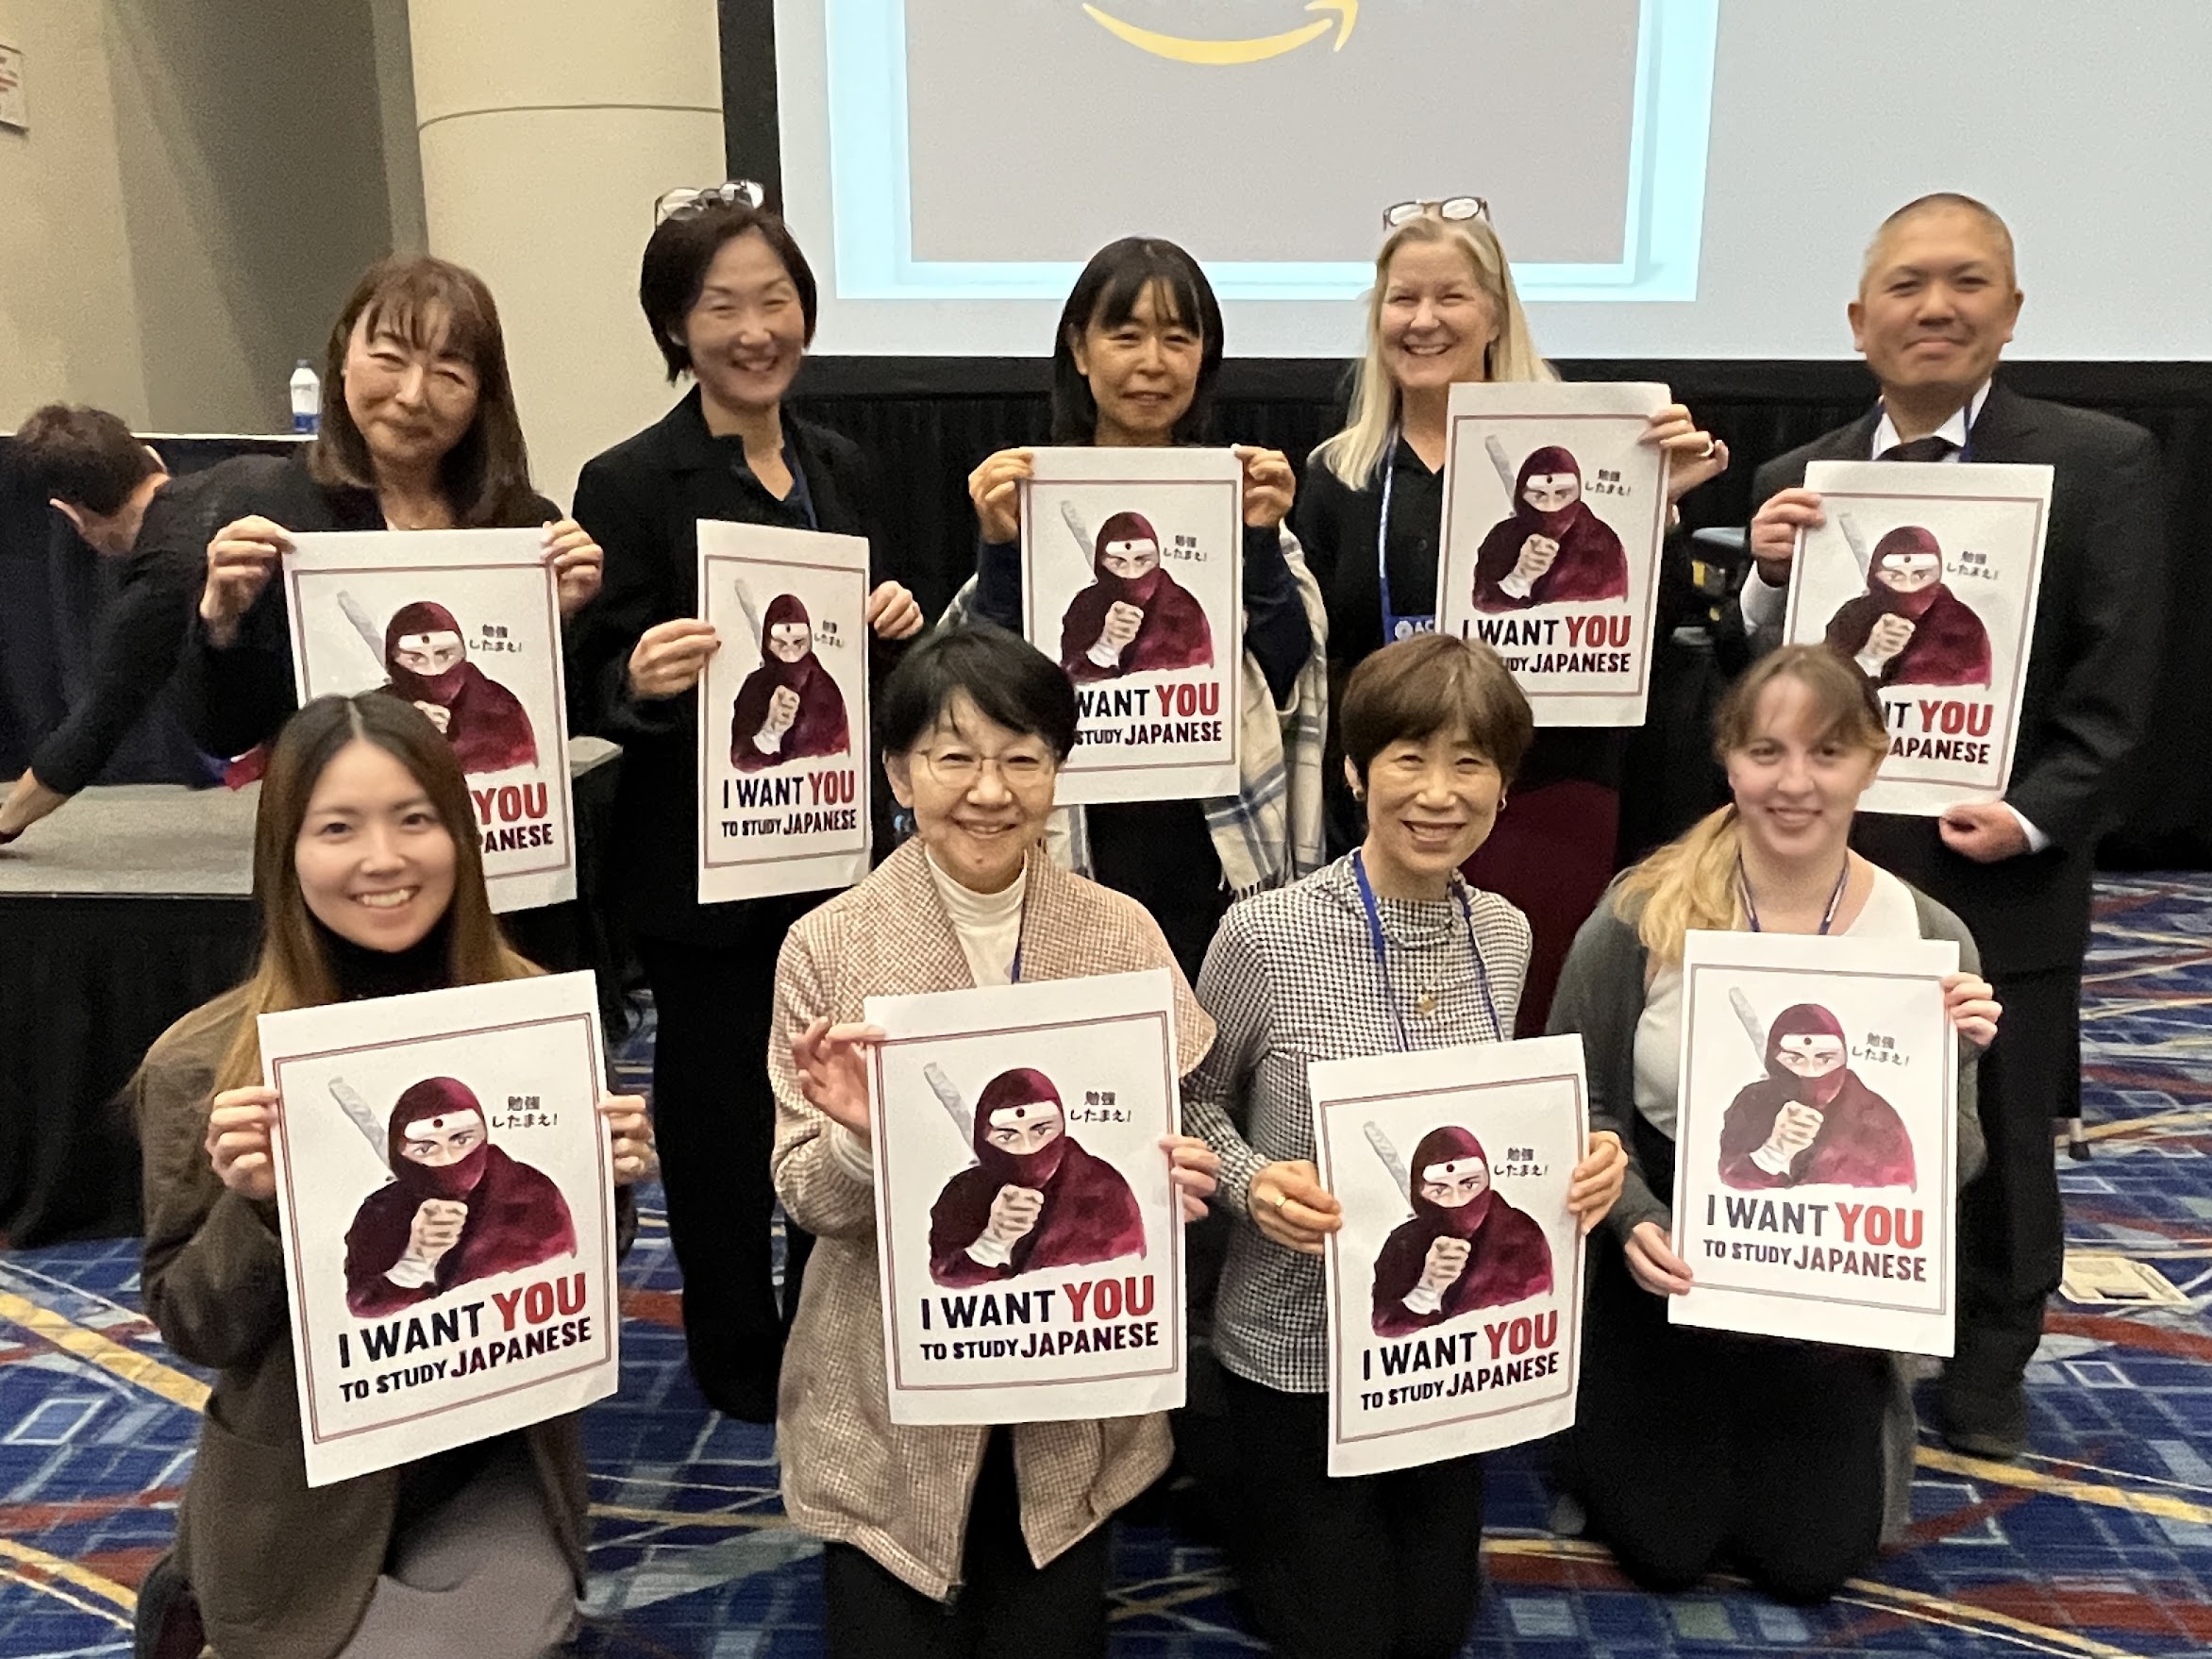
(1929, 448)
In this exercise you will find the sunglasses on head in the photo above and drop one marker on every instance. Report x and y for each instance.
(1438, 207)
(682, 204)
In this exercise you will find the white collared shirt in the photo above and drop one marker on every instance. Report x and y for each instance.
(1763, 601)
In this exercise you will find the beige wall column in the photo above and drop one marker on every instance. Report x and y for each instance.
(548, 128)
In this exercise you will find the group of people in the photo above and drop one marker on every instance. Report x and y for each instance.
(1367, 890)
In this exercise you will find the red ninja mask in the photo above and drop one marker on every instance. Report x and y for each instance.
(1137, 590)
(1548, 461)
(1907, 548)
(409, 620)
(1020, 1098)
(1451, 1152)
(441, 1105)
(1807, 1019)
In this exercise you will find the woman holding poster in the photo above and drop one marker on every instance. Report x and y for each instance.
(730, 300)
(1370, 516)
(1133, 363)
(974, 726)
(1692, 1445)
(419, 431)
(1384, 950)
(371, 884)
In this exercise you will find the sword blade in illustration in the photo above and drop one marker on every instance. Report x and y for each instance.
(1074, 521)
(357, 1114)
(1753, 1029)
(1505, 473)
(1855, 540)
(1400, 1179)
(948, 1098)
(372, 636)
(752, 614)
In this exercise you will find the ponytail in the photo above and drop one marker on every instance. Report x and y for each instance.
(1688, 883)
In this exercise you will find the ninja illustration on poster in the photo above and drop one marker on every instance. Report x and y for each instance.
(464, 627)
(782, 712)
(1028, 1229)
(445, 1207)
(1034, 1198)
(1817, 1138)
(1925, 578)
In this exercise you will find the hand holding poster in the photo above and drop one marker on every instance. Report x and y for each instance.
(1926, 577)
(783, 712)
(1554, 518)
(1029, 1238)
(448, 1212)
(465, 625)
(1816, 1147)
(1132, 581)
(1454, 1285)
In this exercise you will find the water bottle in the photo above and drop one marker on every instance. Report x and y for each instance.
(306, 397)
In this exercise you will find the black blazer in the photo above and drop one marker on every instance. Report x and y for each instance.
(229, 700)
(2092, 667)
(641, 501)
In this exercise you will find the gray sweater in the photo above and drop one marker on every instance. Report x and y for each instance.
(1600, 997)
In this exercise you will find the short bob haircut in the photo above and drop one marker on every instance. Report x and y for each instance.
(1009, 680)
(1105, 296)
(1415, 688)
(433, 305)
(676, 260)
(85, 456)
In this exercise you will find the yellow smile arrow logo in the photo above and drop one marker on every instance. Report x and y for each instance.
(1252, 51)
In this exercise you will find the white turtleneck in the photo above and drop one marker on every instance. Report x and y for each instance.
(988, 925)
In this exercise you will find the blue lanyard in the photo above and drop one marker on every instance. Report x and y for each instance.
(1827, 918)
(1375, 939)
(1394, 626)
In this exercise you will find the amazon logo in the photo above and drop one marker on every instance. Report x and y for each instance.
(1253, 49)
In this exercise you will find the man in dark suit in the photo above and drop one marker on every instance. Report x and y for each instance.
(1937, 305)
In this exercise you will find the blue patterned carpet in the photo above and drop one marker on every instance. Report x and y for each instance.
(2099, 1544)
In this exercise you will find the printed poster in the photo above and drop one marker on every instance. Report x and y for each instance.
(466, 626)
(1816, 1167)
(1133, 582)
(1925, 578)
(783, 712)
(1029, 1238)
(1554, 518)
(446, 1200)
(1455, 1285)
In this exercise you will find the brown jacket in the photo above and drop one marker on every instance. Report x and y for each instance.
(901, 1494)
(280, 1571)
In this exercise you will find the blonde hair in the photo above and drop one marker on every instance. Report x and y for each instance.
(293, 969)
(1353, 454)
(1691, 881)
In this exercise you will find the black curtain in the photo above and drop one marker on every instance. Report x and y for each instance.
(926, 422)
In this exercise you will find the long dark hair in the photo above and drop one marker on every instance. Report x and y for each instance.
(294, 968)
(1107, 294)
(433, 302)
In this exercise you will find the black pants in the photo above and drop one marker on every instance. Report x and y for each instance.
(1005, 1607)
(714, 1123)
(1694, 1447)
(1370, 1566)
(2012, 1227)
(1160, 853)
